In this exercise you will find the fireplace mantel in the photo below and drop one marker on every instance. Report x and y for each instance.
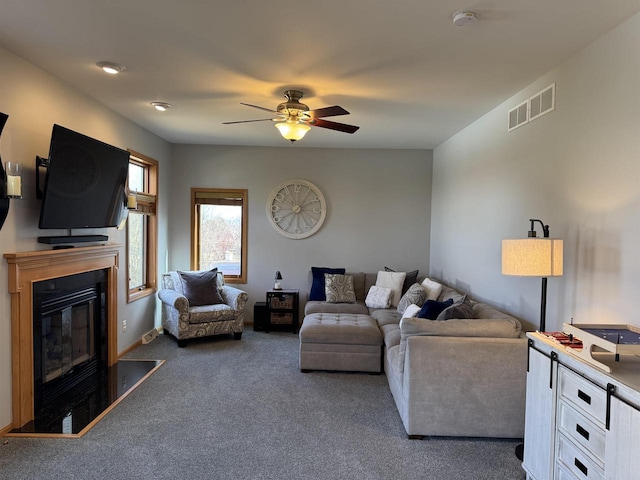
(26, 268)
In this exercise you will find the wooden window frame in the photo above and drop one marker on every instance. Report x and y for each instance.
(195, 260)
(147, 205)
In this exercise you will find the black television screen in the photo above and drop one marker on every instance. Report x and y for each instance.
(85, 182)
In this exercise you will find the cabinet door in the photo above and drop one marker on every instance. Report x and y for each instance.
(622, 452)
(539, 428)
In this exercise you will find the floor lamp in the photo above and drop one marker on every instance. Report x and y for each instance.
(534, 257)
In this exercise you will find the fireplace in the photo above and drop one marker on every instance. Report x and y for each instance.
(28, 269)
(66, 374)
(69, 334)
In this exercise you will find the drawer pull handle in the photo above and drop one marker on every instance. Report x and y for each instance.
(581, 466)
(582, 431)
(584, 397)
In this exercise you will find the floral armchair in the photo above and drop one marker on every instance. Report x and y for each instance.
(187, 313)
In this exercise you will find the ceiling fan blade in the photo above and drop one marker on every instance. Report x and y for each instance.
(247, 121)
(327, 112)
(341, 127)
(260, 108)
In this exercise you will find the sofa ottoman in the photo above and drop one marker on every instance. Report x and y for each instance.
(340, 341)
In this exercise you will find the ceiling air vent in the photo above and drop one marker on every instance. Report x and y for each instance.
(542, 102)
(518, 116)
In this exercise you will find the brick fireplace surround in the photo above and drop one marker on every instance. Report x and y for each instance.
(26, 268)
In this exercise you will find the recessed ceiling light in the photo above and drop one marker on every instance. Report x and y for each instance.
(161, 106)
(111, 68)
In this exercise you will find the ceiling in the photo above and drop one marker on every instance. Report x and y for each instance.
(409, 77)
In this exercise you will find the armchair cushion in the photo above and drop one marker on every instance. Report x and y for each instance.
(211, 313)
(201, 288)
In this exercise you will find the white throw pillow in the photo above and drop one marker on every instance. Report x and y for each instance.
(378, 297)
(394, 281)
(411, 311)
(433, 289)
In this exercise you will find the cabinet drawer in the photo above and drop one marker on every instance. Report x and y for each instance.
(581, 431)
(582, 393)
(577, 461)
(281, 318)
(563, 474)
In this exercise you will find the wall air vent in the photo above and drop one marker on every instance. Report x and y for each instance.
(542, 102)
(518, 116)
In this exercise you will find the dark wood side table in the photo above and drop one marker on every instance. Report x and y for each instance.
(283, 310)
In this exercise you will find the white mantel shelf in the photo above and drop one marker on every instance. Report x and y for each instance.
(26, 268)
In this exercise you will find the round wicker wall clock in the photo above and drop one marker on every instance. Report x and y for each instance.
(296, 208)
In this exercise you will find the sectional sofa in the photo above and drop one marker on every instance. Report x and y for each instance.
(458, 377)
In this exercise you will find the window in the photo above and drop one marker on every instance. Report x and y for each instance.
(142, 237)
(219, 232)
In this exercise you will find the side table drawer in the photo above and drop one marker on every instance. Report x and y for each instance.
(577, 461)
(582, 393)
(581, 431)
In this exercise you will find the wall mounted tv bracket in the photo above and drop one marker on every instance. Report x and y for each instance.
(40, 163)
(4, 200)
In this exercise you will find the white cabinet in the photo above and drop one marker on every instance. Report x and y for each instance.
(539, 427)
(581, 423)
(622, 457)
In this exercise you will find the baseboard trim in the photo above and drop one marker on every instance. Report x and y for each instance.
(129, 348)
(6, 429)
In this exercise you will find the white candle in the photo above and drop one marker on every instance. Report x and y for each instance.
(14, 186)
(132, 202)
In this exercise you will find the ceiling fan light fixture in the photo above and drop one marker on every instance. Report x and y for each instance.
(161, 106)
(293, 131)
(111, 68)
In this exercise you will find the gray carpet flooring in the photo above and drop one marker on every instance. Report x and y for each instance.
(227, 409)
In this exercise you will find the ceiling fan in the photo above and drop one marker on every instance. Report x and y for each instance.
(295, 117)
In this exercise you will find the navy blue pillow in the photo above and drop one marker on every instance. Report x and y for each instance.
(431, 309)
(317, 285)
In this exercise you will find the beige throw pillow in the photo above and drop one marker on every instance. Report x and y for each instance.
(393, 281)
(433, 289)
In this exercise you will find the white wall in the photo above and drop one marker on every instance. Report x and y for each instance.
(378, 205)
(34, 101)
(576, 168)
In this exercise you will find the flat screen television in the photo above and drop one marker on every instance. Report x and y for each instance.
(84, 185)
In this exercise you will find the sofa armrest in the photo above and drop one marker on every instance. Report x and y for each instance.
(174, 299)
(465, 386)
(234, 297)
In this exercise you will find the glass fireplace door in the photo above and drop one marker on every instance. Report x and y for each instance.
(67, 340)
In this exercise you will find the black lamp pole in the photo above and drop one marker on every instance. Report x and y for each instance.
(543, 298)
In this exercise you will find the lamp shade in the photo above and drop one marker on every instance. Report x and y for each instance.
(293, 131)
(532, 257)
(278, 275)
